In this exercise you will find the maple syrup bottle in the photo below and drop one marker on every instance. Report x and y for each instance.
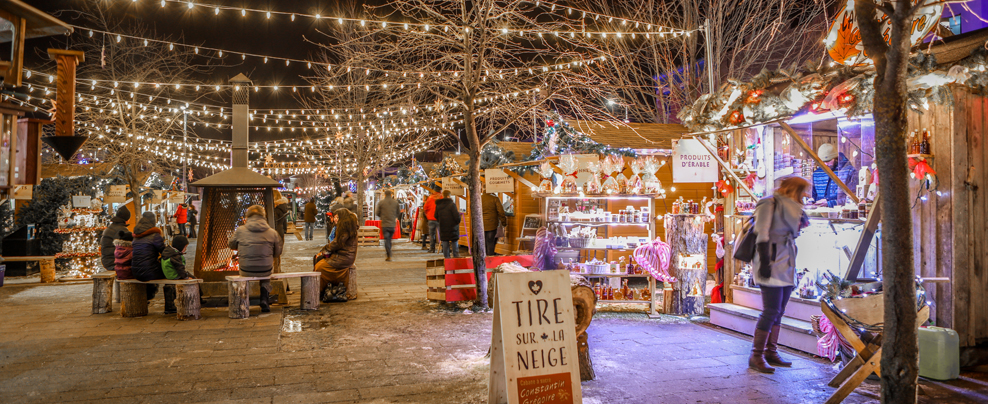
(924, 144)
(914, 143)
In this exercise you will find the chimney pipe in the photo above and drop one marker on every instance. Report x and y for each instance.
(241, 121)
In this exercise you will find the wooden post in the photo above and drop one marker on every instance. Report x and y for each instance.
(239, 299)
(351, 283)
(47, 270)
(809, 150)
(691, 279)
(102, 293)
(187, 301)
(584, 304)
(310, 293)
(133, 299)
(66, 61)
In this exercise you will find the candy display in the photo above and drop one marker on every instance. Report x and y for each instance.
(569, 165)
(651, 183)
(635, 183)
(545, 170)
(594, 186)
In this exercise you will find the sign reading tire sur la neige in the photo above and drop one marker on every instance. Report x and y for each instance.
(533, 344)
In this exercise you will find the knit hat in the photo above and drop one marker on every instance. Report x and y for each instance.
(126, 235)
(179, 242)
(827, 152)
(122, 215)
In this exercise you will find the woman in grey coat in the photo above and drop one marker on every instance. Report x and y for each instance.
(778, 220)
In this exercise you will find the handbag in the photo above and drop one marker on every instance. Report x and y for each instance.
(745, 243)
(334, 293)
(500, 231)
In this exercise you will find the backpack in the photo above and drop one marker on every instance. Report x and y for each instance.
(744, 244)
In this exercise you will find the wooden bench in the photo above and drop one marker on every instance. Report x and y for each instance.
(103, 291)
(240, 297)
(46, 262)
(134, 298)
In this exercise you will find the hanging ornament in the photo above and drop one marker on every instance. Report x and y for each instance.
(550, 123)
(736, 118)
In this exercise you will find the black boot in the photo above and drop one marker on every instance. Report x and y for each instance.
(757, 359)
(170, 300)
(772, 349)
(265, 305)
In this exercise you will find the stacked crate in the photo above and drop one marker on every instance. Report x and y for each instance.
(368, 236)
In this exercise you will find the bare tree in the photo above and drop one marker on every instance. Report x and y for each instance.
(127, 120)
(654, 77)
(498, 63)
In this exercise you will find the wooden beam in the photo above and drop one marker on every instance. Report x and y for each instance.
(529, 163)
(726, 167)
(830, 173)
(864, 240)
(519, 178)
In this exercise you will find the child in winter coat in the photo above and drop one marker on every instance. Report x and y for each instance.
(173, 259)
(123, 253)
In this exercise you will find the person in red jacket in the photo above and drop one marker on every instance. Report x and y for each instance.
(430, 216)
(181, 217)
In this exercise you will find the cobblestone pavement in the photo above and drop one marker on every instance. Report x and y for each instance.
(389, 345)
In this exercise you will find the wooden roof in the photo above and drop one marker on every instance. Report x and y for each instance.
(634, 135)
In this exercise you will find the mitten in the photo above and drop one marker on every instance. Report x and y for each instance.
(765, 261)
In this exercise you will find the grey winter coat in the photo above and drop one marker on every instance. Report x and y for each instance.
(257, 244)
(778, 220)
(387, 211)
(350, 205)
(111, 234)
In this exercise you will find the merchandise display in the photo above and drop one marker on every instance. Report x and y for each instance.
(84, 227)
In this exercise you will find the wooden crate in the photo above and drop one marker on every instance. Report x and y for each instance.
(368, 236)
(435, 279)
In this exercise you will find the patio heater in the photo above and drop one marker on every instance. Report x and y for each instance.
(228, 194)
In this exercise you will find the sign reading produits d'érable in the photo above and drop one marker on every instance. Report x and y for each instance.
(497, 180)
(533, 344)
(691, 162)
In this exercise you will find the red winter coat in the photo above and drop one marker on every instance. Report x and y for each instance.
(181, 215)
(123, 254)
(430, 206)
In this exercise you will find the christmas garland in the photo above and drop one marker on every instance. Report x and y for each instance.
(446, 168)
(773, 95)
(79, 230)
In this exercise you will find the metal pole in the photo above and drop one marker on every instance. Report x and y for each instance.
(709, 51)
(185, 150)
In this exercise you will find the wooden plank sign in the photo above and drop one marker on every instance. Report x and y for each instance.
(117, 193)
(22, 192)
(176, 197)
(497, 180)
(533, 344)
(455, 188)
(692, 163)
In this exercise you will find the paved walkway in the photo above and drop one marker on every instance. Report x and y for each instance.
(388, 346)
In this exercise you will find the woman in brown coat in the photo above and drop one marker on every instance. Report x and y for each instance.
(334, 260)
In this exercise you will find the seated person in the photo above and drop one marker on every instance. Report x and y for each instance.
(257, 244)
(123, 254)
(334, 260)
(146, 264)
(173, 259)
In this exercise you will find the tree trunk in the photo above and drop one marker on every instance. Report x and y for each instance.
(310, 292)
(900, 348)
(187, 301)
(239, 299)
(133, 299)
(477, 241)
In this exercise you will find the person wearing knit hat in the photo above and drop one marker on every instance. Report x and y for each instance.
(173, 259)
(117, 224)
(826, 192)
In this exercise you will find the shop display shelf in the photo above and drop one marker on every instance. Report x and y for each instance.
(614, 275)
(593, 248)
(599, 223)
(624, 301)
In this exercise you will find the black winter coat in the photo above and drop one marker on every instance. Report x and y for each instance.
(111, 234)
(448, 216)
(148, 245)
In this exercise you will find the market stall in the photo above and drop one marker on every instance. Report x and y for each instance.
(798, 123)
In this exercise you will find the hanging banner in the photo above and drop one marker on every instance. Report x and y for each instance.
(691, 162)
(117, 193)
(583, 172)
(496, 180)
(843, 40)
(176, 197)
(454, 187)
(533, 343)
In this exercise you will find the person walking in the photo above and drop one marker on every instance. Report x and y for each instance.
(422, 226)
(778, 220)
(193, 220)
(493, 218)
(430, 217)
(257, 245)
(181, 217)
(146, 262)
(350, 204)
(448, 216)
(333, 261)
(281, 213)
(387, 211)
(118, 223)
(310, 219)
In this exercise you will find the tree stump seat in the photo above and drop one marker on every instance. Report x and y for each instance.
(239, 296)
(103, 291)
(134, 298)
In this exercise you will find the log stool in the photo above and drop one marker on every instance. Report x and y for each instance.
(239, 296)
(103, 291)
(134, 298)
(351, 283)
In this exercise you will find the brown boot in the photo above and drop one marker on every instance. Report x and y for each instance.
(772, 349)
(757, 359)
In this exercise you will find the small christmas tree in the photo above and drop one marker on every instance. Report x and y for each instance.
(84, 227)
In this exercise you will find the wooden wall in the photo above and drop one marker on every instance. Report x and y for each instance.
(949, 230)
